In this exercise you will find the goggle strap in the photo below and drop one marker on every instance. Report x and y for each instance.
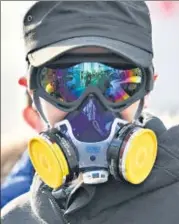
(139, 110)
(39, 108)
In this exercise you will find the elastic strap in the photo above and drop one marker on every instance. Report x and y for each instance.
(39, 108)
(139, 110)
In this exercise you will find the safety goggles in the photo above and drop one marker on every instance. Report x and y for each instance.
(67, 87)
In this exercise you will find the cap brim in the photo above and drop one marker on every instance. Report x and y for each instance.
(135, 54)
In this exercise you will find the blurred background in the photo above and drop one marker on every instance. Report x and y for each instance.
(164, 100)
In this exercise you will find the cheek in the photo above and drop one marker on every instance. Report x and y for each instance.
(52, 114)
(129, 113)
(55, 115)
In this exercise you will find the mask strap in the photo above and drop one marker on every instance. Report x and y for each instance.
(39, 108)
(139, 110)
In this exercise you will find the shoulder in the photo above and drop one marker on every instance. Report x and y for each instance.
(159, 207)
(170, 140)
(18, 211)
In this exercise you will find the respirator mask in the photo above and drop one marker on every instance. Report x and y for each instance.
(92, 139)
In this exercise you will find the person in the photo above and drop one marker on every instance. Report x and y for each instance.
(99, 160)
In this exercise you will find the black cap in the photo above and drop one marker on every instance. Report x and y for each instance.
(52, 28)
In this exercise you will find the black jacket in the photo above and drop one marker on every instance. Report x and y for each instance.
(156, 201)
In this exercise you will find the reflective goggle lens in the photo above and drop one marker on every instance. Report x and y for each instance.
(68, 84)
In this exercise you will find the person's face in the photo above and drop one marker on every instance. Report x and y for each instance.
(54, 115)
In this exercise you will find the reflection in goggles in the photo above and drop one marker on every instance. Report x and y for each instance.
(69, 84)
